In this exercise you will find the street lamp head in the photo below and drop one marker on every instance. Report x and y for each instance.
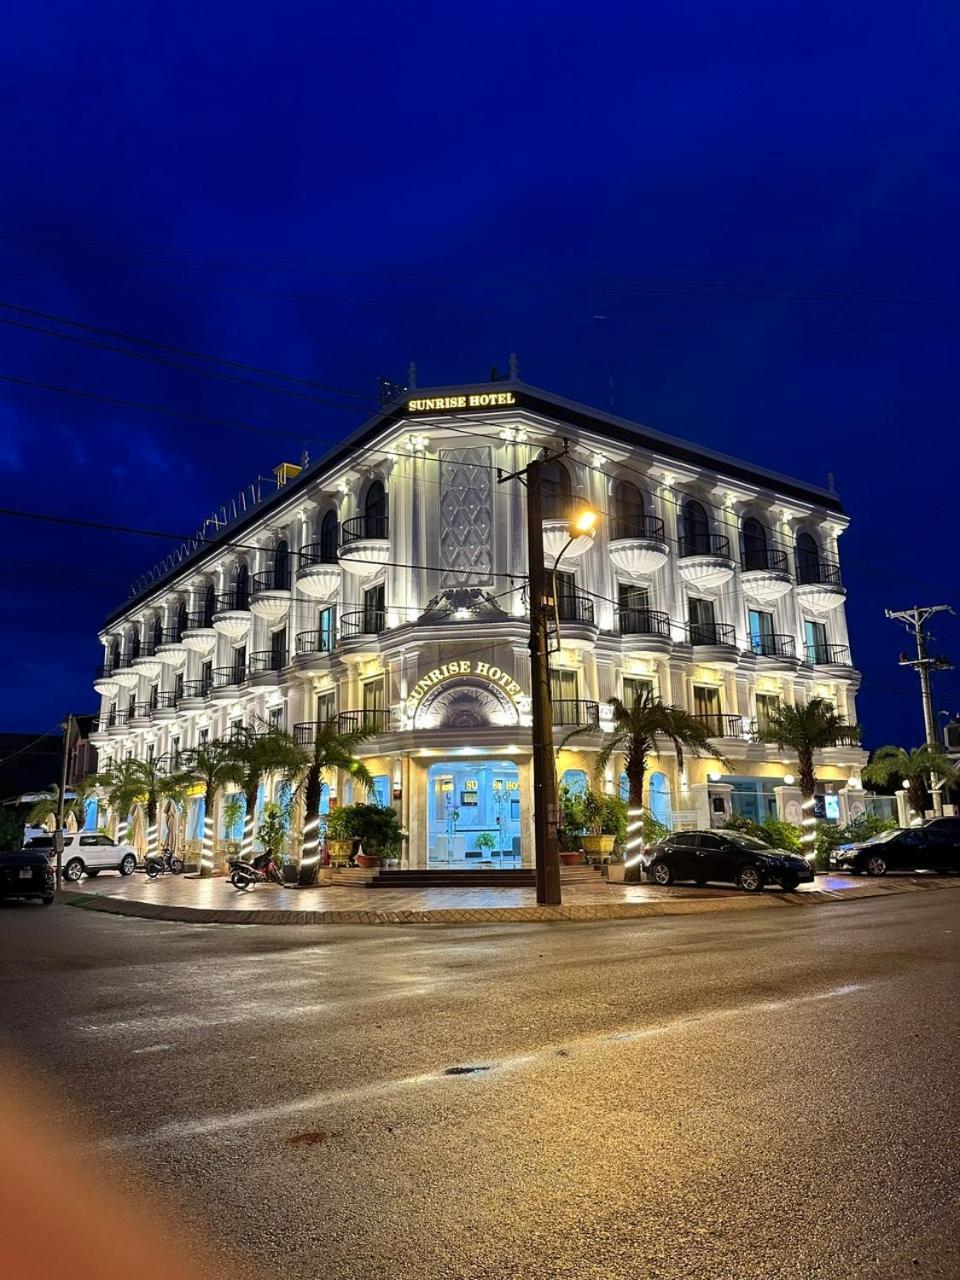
(584, 522)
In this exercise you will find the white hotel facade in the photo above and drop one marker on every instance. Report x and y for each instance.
(385, 585)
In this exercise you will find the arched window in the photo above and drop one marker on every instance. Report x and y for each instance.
(329, 536)
(181, 619)
(281, 565)
(754, 544)
(135, 643)
(808, 558)
(209, 605)
(241, 590)
(375, 511)
(696, 529)
(557, 491)
(157, 631)
(627, 511)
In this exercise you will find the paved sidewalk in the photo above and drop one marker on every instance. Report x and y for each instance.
(215, 901)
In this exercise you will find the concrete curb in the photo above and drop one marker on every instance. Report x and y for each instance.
(496, 915)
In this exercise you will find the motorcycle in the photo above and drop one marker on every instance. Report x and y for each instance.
(262, 870)
(166, 860)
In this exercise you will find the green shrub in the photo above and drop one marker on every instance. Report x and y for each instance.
(378, 829)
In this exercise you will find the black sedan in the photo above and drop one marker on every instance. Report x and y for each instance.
(933, 846)
(27, 873)
(727, 857)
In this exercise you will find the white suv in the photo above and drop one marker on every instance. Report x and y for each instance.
(90, 852)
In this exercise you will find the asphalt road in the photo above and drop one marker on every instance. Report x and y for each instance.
(770, 1094)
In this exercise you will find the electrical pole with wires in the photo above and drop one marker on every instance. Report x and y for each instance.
(61, 799)
(915, 621)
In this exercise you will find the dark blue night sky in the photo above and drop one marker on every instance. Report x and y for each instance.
(748, 214)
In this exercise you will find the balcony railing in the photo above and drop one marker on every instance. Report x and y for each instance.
(650, 527)
(705, 544)
(828, 655)
(574, 607)
(117, 717)
(823, 572)
(318, 553)
(711, 633)
(106, 671)
(275, 579)
(165, 701)
(773, 645)
(194, 689)
(231, 601)
(164, 635)
(369, 526)
(267, 660)
(199, 620)
(718, 725)
(141, 711)
(571, 712)
(362, 622)
(322, 641)
(765, 559)
(226, 677)
(847, 738)
(642, 622)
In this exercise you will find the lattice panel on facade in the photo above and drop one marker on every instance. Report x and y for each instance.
(466, 517)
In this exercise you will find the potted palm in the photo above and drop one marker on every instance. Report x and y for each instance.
(332, 750)
(339, 836)
(486, 842)
(598, 841)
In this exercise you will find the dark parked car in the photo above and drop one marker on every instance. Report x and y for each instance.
(726, 856)
(27, 873)
(933, 846)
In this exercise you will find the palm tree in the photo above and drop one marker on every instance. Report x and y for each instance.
(915, 769)
(47, 804)
(331, 750)
(212, 765)
(805, 728)
(128, 782)
(638, 730)
(260, 752)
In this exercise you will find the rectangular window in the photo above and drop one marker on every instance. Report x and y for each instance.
(706, 701)
(278, 650)
(174, 753)
(563, 686)
(633, 688)
(703, 622)
(373, 694)
(275, 717)
(768, 704)
(326, 629)
(815, 641)
(566, 588)
(761, 631)
(203, 737)
(178, 686)
(629, 597)
(206, 676)
(239, 664)
(326, 706)
(150, 752)
(154, 696)
(374, 618)
(131, 704)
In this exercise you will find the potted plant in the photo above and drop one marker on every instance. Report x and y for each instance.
(339, 835)
(486, 841)
(601, 827)
(273, 833)
(572, 822)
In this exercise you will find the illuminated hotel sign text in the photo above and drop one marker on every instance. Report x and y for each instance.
(481, 400)
(450, 670)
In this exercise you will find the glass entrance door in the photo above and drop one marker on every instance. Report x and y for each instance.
(473, 814)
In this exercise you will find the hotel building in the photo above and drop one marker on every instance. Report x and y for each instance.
(385, 585)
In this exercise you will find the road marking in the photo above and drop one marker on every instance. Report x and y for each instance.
(206, 1125)
(154, 1048)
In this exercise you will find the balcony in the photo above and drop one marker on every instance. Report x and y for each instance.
(270, 594)
(556, 541)
(231, 615)
(139, 714)
(648, 629)
(638, 546)
(572, 713)
(362, 622)
(165, 705)
(780, 650)
(765, 574)
(116, 721)
(124, 673)
(829, 655)
(193, 692)
(364, 545)
(198, 633)
(228, 679)
(819, 587)
(705, 561)
(714, 643)
(318, 574)
(266, 661)
(370, 722)
(719, 725)
(311, 642)
(104, 680)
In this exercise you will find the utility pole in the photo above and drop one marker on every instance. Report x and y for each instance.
(61, 799)
(915, 620)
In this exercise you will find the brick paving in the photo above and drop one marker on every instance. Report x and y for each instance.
(187, 898)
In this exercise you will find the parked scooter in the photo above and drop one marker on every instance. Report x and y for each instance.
(166, 860)
(244, 875)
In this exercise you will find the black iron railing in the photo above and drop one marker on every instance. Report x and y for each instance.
(106, 671)
(650, 527)
(773, 645)
(165, 701)
(705, 544)
(117, 716)
(362, 622)
(194, 689)
(765, 559)
(847, 738)
(824, 572)
(369, 526)
(140, 711)
(318, 553)
(275, 579)
(574, 607)
(165, 635)
(226, 677)
(147, 650)
(570, 712)
(322, 641)
(198, 620)
(642, 622)
(711, 633)
(267, 660)
(363, 721)
(231, 601)
(718, 725)
(828, 655)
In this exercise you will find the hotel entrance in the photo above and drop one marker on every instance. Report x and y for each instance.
(473, 814)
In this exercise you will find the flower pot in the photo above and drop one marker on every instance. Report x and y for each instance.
(616, 872)
(367, 859)
(573, 858)
(340, 851)
(598, 846)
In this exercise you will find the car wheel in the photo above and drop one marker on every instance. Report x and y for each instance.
(661, 873)
(73, 870)
(128, 865)
(876, 866)
(789, 883)
(93, 871)
(750, 878)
